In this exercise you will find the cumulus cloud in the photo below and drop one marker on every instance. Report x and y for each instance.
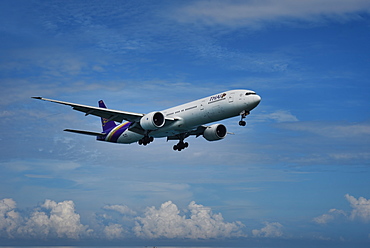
(167, 222)
(54, 219)
(361, 208)
(9, 219)
(360, 211)
(50, 220)
(271, 230)
(114, 231)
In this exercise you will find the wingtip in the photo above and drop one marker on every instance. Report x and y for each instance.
(37, 97)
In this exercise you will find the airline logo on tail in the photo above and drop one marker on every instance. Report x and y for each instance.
(106, 123)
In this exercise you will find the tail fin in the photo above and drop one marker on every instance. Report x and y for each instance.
(107, 125)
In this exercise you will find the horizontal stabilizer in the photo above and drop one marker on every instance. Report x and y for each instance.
(85, 132)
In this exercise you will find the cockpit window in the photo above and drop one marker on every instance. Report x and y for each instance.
(250, 93)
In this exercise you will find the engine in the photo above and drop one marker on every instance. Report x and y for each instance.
(215, 132)
(152, 121)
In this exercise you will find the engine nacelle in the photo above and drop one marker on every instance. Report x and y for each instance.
(152, 121)
(215, 132)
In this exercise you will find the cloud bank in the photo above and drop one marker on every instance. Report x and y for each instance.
(166, 222)
(59, 220)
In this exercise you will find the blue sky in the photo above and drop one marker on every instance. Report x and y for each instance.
(296, 175)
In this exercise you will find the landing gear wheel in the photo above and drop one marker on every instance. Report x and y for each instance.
(180, 146)
(243, 115)
(145, 140)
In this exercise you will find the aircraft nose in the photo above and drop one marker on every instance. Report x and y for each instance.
(256, 100)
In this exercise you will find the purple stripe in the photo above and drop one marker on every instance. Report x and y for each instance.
(118, 132)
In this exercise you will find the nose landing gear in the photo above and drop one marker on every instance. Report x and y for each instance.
(243, 115)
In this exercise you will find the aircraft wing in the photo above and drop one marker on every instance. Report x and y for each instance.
(110, 114)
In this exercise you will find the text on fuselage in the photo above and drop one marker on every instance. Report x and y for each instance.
(217, 97)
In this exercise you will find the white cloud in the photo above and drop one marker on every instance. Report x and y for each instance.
(9, 219)
(361, 208)
(271, 230)
(330, 216)
(114, 231)
(255, 13)
(54, 220)
(166, 222)
(59, 220)
(323, 219)
(360, 211)
(331, 130)
(52, 165)
(278, 116)
(123, 209)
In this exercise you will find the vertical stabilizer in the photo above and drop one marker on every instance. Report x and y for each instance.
(107, 125)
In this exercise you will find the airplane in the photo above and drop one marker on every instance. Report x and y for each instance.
(176, 123)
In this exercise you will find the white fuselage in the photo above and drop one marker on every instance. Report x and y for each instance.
(191, 115)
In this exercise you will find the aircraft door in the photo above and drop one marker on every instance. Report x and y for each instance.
(203, 113)
(202, 105)
(231, 97)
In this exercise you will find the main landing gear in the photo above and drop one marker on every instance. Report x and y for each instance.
(243, 115)
(180, 146)
(146, 140)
